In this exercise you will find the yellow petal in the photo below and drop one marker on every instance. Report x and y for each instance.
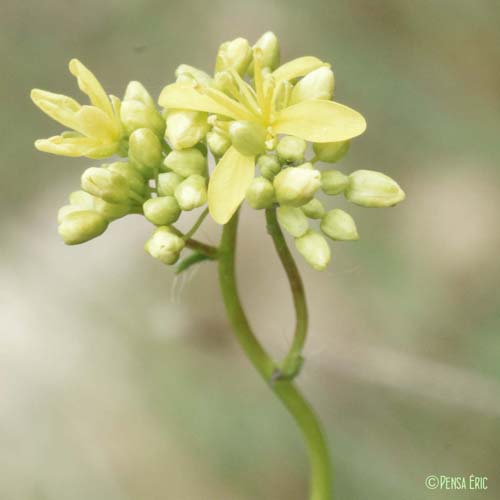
(297, 67)
(89, 84)
(76, 146)
(178, 96)
(319, 121)
(93, 122)
(229, 183)
(59, 107)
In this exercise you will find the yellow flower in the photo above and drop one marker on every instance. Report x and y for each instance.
(96, 129)
(266, 104)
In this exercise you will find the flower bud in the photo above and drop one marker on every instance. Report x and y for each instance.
(333, 182)
(218, 143)
(339, 225)
(186, 162)
(145, 151)
(248, 138)
(314, 248)
(80, 226)
(197, 75)
(293, 221)
(186, 128)
(269, 45)
(291, 149)
(282, 95)
(103, 183)
(134, 179)
(295, 186)
(167, 182)
(317, 84)
(373, 189)
(164, 245)
(331, 152)
(161, 211)
(269, 166)
(66, 210)
(260, 193)
(313, 209)
(192, 192)
(138, 110)
(235, 54)
(81, 199)
(111, 211)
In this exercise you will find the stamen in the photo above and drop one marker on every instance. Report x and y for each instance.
(236, 110)
(246, 93)
(257, 64)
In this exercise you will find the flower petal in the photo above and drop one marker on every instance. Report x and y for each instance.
(59, 107)
(76, 146)
(229, 183)
(93, 122)
(319, 121)
(297, 67)
(89, 84)
(179, 96)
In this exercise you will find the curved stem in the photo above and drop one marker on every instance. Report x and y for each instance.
(292, 362)
(197, 224)
(204, 248)
(285, 390)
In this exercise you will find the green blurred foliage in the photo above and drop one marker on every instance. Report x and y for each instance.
(121, 383)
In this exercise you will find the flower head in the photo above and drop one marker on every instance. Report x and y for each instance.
(96, 130)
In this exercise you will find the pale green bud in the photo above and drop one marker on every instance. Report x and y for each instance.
(373, 189)
(103, 183)
(134, 179)
(295, 186)
(260, 193)
(192, 192)
(313, 209)
(138, 110)
(197, 75)
(270, 47)
(293, 221)
(317, 84)
(218, 143)
(81, 199)
(235, 54)
(314, 248)
(339, 225)
(333, 182)
(80, 226)
(162, 211)
(110, 211)
(145, 151)
(164, 245)
(248, 138)
(186, 128)
(331, 152)
(186, 162)
(67, 209)
(291, 149)
(269, 166)
(167, 182)
(283, 95)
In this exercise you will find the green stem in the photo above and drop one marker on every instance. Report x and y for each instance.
(208, 250)
(197, 224)
(293, 360)
(285, 390)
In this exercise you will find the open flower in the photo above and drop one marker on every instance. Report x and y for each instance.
(96, 130)
(253, 116)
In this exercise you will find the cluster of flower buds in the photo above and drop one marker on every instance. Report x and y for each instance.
(255, 117)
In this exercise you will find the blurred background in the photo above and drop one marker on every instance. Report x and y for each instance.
(119, 382)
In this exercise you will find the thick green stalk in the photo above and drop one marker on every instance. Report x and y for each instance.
(292, 362)
(285, 390)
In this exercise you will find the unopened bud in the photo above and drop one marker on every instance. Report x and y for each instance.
(331, 152)
(197, 75)
(111, 211)
(260, 193)
(134, 179)
(313, 209)
(269, 45)
(339, 225)
(167, 182)
(235, 54)
(162, 211)
(333, 182)
(269, 166)
(145, 151)
(218, 143)
(103, 183)
(373, 189)
(186, 128)
(80, 226)
(317, 84)
(314, 248)
(248, 138)
(192, 192)
(65, 210)
(295, 186)
(186, 162)
(291, 149)
(282, 95)
(81, 199)
(138, 110)
(164, 245)
(293, 221)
